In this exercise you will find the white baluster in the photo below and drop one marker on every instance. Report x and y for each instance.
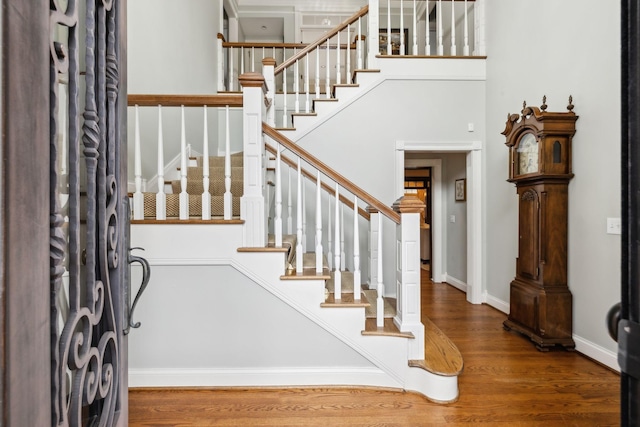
(296, 84)
(284, 90)
(453, 29)
(206, 196)
(184, 197)
(347, 77)
(241, 60)
(327, 88)
(329, 238)
(337, 275)
(161, 197)
(427, 41)
(479, 27)
(220, 64)
(306, 84)
(402, 40)
(289, 207)
(357, 280)
(465, 48)
(389, 51)
(380, 287)
(439, 16)
(253, 59)
(304, 216)
(278, 221)
(415, 30)
(138, 197)
(232, 77)
(318, 225)
(317, 79)
(343, 257)
(299, 248)
(228, 197)
(359, 46)
(338, 73)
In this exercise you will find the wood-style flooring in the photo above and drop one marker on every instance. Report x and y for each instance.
(505, 382)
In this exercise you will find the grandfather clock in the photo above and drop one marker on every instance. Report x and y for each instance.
(539, 144)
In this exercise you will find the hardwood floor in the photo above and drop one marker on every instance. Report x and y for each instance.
(505, 382)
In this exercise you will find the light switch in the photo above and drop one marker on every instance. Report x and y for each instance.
(614, 226)
(452, 218)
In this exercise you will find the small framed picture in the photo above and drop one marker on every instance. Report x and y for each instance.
(461, 190)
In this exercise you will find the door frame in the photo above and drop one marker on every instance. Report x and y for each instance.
(24, 214)
(475, 285)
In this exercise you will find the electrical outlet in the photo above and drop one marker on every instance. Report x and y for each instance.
(452, 218)
(614, 226)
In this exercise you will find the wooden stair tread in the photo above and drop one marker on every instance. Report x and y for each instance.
(389, 329)
(190, 221)
(307, 274)
(285, 129)
(347, 300)
(262, 249)
(441, 356)
(303, 114)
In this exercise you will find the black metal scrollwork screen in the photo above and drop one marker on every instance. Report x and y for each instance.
(86, 209)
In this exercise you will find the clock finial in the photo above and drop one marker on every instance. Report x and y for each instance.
(570, 106)
(524, 106)
(544, 105)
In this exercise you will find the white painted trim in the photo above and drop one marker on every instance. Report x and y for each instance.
(595, 352)
(251, 377)
(456, 283)
(496, 303)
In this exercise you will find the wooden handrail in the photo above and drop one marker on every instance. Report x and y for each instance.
(282, 45)
(331, 174)
(321, 40)
(326, 187)
(232, 100)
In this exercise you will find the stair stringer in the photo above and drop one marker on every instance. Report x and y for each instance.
(389, 354)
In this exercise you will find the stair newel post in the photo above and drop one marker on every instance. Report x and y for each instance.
(454, 51)
(138, 197)
(373, 247)
(206, 196)
(407, 317)
(465, 48)
(184, 197)
(299, 248)
(268, 65)
(427, 41)
(343, 256)
(327, 77)
(318, 225)
(347, 78)
(252, 203)
(337, 277)
(228, 197)
(380, 287)
(284, 91)
(161, 197)
(289, 206)
(373, 30)
(357, 280)
(439, 16)
(329, 238)
(306, 83)
(338, 74)
(220, 61)
(232, 76)
(278, 220)
(402, 40)
(415, 30)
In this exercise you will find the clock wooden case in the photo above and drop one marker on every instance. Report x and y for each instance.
(539, 144)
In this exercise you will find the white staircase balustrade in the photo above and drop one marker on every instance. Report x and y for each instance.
(317, 78)
(357, 279)
(221, 71)
(414, 49)
(296, 85)
(289, 206)
(327, 87)
(206, 195)
(380, 286)
(278, 220)
(231, 72)
(343, 255)
(329, 238)
(373, 247)
(299, 248)
(268, 65)
(337, 275)
(402, 40)
(184, 197)
(439, 18)
(454, 50)
(465, 47)
(427, 39)
(304, 216)
(338, 54)
(359, 46)
(161, 197)
(389, 49)
(138, 198)
(285, 117)
(307, 102)
(228, 197)
(348, 56)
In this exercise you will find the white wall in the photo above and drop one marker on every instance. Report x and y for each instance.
(559, 48)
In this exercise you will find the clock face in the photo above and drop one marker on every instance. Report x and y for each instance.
(527, 154)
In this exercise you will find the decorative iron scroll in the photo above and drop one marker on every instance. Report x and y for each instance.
(85, 303)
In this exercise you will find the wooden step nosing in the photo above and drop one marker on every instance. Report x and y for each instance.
(261, 249)
(415, 363)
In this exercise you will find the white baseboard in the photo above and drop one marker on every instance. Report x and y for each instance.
(458, 284)
(496, 303)
(247, 377)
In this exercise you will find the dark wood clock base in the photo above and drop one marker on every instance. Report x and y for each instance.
(542, 343)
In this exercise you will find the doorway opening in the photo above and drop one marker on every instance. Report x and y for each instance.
(417, 182)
